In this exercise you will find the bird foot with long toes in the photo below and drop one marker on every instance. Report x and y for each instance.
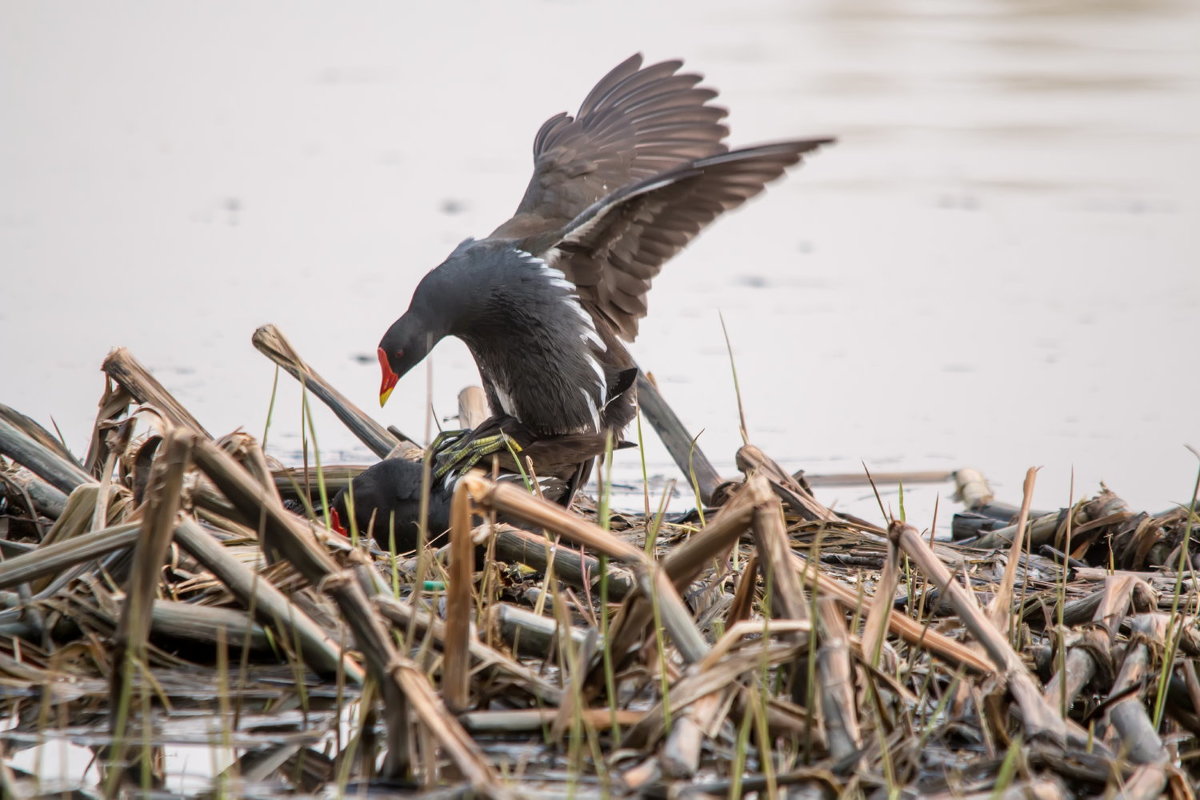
(461, 457)
(445, 439)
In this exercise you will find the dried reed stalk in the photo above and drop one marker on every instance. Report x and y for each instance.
(536, 719)
(836, 685)
(570, 566)
(527, 633)
(456, 690)
(270, 341)
(508, 499)
(788, 598)
(472, 407)
(127, 372)
(42, 498)
(750, 459)
(679, 443)
(999, 609)
(51, 559)
(208, 625)
(682, 565)
(402, 683)
(486, 659)
(1039, 718)
(61, 473)
(907, 628)
(1087, 653)
(272, 608)
(133, 630)
(972, 489)
(1131, 733)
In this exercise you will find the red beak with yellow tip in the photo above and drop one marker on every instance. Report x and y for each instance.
(389, 378)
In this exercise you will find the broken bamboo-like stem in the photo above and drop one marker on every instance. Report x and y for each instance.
(271, 343)
(483, 656)
(971, 488)
(133, 629)
(679, 443)
(403, 684)
(788, 598)
(456, 671)
(39, 459)
(999, 608)
(836, 683)
(787, 488)
(1039, 719)
(127, 372)
(43, 498)
(570, 566)
(51, 559)
(527, 633)
(472, 407)
(272, 608)
(651, 580)
(1132, 733)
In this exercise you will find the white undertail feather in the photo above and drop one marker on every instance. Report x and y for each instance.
(506, 403)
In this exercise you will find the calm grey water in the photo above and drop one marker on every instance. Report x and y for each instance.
(998, 265)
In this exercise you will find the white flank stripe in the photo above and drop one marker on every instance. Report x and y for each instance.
(587, 332)
(599, 370)
(591, 407)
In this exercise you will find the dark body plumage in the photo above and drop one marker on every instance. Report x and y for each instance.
(386, 498)
(545, 301)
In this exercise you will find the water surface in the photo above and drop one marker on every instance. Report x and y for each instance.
(996, 266)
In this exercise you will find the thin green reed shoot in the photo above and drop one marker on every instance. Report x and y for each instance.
(659, 639)
(223, 705)
(1008, 769)
(346, 757)
(737, 389)
(610, 681)
(1176, 626)
(766, 759)
(306, 410)
(270, 407)
(738, 768)
(938, 710)
(692, 477)
(604, 505)
(517, 459)
(810, 699)
(756, 701)
(645, 475)
(1062, 593)
(426, 487)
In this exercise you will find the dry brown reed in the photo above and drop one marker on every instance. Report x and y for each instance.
(780, 649)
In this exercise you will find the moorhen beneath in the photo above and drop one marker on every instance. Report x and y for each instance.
(386, 497)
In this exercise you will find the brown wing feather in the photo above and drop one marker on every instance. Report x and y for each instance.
(636, 122)
(616, 247)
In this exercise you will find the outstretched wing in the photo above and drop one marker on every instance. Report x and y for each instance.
(636, 122)
(614, 248)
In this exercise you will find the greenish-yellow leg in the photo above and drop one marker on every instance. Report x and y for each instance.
(462, 457)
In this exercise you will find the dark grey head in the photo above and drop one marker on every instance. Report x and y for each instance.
(536, 347)
(436, 304)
